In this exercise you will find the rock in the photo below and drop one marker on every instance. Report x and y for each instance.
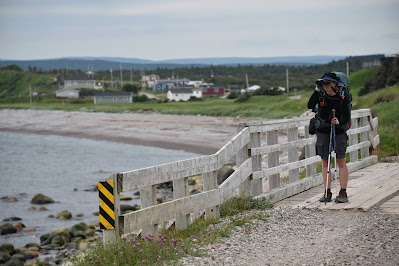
(224, 173)
(19, 226)
(14, 262)
(59, 240)
(12, 219)
(11, 199)
(80, 214)
(30, 245)
(191, 182)
(51, 216)
(32, 208)
(78, 228)
(7, 248)
(70, 246)
(29, 229)
(7, 228)
(44, 237)
(4, 257)
(95, 213)
(65, 214)
(41, 199)
(159, 200)
(19, 257)
(30, 254)
(125, 197)
(75, 189)
(43, 209)
(137, 193)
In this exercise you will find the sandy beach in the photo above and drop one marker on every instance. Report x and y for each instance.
(198, 134)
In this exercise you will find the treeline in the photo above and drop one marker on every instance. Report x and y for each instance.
(386, 75)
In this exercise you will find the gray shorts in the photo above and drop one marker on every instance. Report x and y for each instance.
(323, 141)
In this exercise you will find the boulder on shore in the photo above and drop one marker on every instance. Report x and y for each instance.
(41, 199)
(7, 248)
(65, 215)
(12, 219)
(7, 228)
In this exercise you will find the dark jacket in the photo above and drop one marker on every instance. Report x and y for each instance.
(330, 102)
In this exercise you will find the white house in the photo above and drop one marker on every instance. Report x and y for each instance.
(67, 93)
(79, 82)
(183, 94)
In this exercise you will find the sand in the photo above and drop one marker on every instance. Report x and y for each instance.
(198, 134)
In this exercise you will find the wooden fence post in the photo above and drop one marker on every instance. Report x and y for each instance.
(211, 182)
(292, 135)
(273, 158)
(244, 190)
(353, 140)
(364, 152)
(111, 236)
(148, 198)
(256, 184)
(180, 190)
(310, 151)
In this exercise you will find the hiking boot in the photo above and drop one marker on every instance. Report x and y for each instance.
(326, 199)
(342, 197)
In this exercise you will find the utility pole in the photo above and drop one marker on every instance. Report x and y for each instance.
(121, 75)
(347, 69)
(30, 93)
(112, 83)
(246, 79)
(288, 85)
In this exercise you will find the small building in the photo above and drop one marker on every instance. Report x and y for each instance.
(67, 94)
(79, 82)
(213, 90)
(113, 98)
(161, 87)
(179, 94)
(170, 83)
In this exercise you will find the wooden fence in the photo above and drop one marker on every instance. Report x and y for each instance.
(268, 165)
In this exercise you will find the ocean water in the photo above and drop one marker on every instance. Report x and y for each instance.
(63, 168)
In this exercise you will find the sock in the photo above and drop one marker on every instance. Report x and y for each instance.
(343, 190)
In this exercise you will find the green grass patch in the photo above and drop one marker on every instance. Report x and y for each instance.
(384, 104)
(170, 245)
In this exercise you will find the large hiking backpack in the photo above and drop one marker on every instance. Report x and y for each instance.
(343, 87)
(343, 90)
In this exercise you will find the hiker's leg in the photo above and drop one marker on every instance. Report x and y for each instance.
(343, 172)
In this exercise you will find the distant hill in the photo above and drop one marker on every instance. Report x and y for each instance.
(106, 63)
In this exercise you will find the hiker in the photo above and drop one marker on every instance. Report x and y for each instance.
(327, 97)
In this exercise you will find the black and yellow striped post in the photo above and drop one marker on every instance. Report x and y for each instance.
(107, 205)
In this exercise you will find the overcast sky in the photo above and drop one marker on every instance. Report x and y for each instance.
(170, 29)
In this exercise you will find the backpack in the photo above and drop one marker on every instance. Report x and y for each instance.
(343, 91)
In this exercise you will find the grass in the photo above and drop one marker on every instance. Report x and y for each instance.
(270, 107)
(384, 104)
(170, 245)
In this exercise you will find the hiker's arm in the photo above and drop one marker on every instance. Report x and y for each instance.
(314, 99)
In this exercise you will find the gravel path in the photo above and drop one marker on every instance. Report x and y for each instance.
(309, 237)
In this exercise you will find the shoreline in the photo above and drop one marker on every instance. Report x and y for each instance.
(197, 134)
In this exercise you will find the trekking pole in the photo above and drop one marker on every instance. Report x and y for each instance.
(335, 157)
(328, 164)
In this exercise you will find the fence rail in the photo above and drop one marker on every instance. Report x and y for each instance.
(268, 165)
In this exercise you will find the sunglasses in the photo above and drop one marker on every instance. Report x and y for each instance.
(322, 82)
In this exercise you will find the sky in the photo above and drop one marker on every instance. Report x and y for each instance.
(177, 29)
